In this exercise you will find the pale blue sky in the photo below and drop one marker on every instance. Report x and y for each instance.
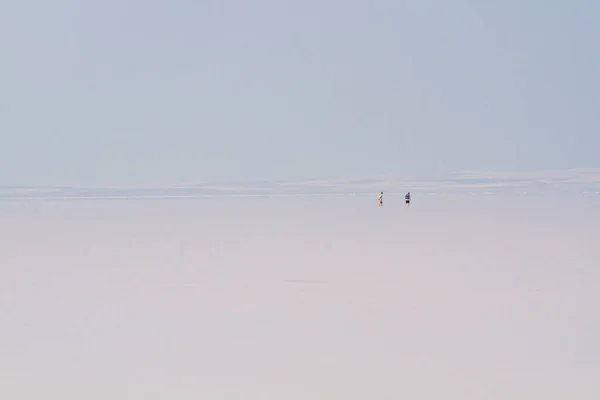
(119, 92)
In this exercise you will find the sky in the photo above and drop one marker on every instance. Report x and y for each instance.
(132, 92)
(301, 298)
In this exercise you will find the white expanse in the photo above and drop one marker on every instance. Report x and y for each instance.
(458, 297)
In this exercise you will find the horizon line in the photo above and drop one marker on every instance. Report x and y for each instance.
(581, 180)
(431, 177)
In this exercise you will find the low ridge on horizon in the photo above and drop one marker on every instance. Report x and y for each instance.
(582, 180)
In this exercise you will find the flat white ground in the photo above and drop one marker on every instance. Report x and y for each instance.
(457, 297)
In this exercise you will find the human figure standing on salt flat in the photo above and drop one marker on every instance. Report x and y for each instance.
(380, 199)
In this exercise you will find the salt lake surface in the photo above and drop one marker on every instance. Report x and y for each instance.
(323, 297)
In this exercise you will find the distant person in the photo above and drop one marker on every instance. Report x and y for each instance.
(380, 199)
(407, 199)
